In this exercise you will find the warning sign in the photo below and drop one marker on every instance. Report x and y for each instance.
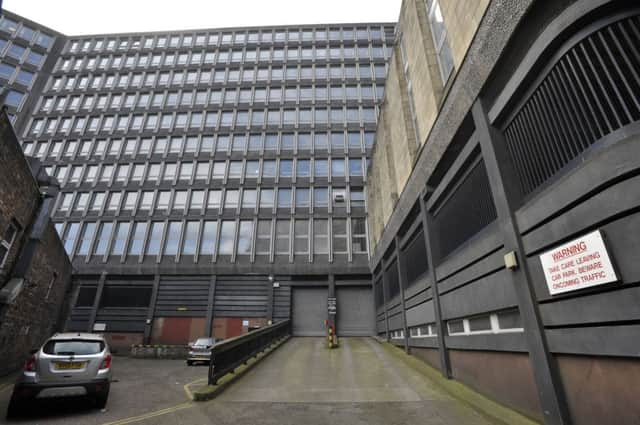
(581, 263)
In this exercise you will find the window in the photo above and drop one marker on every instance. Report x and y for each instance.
(286, 168)
(146, 201)
(320, 197)
(97, 202)
(227, 235)
(249, 198)
(339, 236)
(231, 199)
(130, 201)
(320, 236)
(120, 238)
(303, 199)
(358, 236)
(6, 243)
(192, 230)
(337, 167)
(355, 167)
(114, 201)
(180, 200)
(197, 200)
(245, 237)
(283, 237)
(102, 241)
(208, 243)
(267, 198)
(162, 202)
(284, 198)
(86, 237)
(263, 237)
(172, 242)
(439, 33)
(155, 238)
(320, 168)
(301, 237)
(214, 200)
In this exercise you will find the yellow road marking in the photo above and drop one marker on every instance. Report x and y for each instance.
(187, 386)
(5, 387)
(151, 414)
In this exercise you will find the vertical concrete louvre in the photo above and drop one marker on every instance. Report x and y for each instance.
(445, 361)
(503, 186)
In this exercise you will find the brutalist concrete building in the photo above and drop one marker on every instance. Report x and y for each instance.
(210, 179)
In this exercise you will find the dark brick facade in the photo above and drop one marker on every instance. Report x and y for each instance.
(35, 278)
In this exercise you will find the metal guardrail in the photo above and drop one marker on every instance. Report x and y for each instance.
(228, 355)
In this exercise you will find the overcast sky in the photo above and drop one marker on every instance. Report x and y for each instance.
(76, 17)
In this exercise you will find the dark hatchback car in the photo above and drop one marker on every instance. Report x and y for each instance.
(200, 350)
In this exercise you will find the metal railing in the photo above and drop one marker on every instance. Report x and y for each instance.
(228, 355)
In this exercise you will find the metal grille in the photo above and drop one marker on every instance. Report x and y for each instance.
(392, 281)
(466, 211)
(416, 258)
(592, 90)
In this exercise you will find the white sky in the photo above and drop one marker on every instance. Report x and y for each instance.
(77, 17)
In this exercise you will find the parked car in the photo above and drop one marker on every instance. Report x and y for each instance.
(67, 365)
(200, 350)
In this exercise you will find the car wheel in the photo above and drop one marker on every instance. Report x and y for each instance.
(101, 399)
(15, 409)
(189, 362)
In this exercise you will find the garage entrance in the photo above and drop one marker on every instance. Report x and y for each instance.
(355, 311)
(309, 311)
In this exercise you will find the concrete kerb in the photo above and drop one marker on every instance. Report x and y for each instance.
(481, 404)
(209, 392)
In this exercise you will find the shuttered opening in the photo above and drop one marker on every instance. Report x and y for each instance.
(355, 311)
(309, 311)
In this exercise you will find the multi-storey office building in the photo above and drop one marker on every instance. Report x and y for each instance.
(206, 173)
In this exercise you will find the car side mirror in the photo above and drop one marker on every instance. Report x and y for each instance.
(34, 350)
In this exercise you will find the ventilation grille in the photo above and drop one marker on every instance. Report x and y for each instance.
(593, 90)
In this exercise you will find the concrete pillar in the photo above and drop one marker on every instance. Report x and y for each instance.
(332, 294)
(208, 323)
(384, 297)
(402, 280)
(506, 194)
(270, 300)
(148, 326)
(441, 329)
(96, 301)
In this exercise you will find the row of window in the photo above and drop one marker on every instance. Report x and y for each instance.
(498, 322)
(14, 74)
(24, 32)
(336, 237)
(318, 142)
(214, 38)
(207, 77)
(20, 53)
(221, 171)
(203, 120)
(196, 58)
(230, 96)
(298, 199)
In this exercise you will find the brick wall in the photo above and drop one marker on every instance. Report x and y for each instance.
(39, 308)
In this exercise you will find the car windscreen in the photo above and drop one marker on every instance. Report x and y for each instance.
(204, 342)
(73, 347)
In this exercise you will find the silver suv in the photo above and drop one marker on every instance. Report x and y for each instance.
(67, 365)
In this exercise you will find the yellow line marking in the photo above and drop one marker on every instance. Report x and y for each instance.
(187, 386)
(151, 414)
